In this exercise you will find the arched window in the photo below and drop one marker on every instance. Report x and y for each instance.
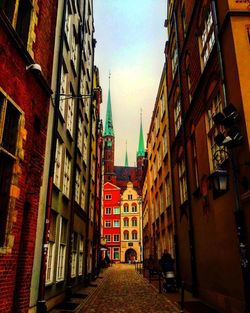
(134, 207)
(126, 235)
(125, 208)
(134, 234)
(134, 221)
(125, 222)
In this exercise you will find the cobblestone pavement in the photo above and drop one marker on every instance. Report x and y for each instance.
(123, 290)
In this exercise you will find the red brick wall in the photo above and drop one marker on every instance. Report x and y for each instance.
(31, 96)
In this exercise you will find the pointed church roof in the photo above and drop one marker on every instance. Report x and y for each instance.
(109, 131)
(141, 148)
(126, 156)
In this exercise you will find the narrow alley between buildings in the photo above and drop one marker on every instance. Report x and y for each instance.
(125, 288)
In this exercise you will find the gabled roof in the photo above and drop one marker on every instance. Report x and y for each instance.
(109, 186)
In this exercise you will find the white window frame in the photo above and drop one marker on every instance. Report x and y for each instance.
(134, 208)
(116, 237)
(58, 163)
(134, 222)
(116, 223)
(50, 264)
(70, 115)
(108, 197)
(177, 115)
(127, 222)
(74, 255)
(77, 186)
(108, 238)
(108, 224)
(60, 273)
(207, 38)
(134, 235)
(116, 210)
(80, 259)
(66, 175)
(182, 180)
(108, 211)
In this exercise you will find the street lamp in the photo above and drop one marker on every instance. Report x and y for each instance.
(220, 180)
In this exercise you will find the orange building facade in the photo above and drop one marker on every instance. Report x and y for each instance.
(207, 57)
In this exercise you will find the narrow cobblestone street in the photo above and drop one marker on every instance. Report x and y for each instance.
(122, 289)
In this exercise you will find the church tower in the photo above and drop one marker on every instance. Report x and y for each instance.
(109, 144)
(140, 153)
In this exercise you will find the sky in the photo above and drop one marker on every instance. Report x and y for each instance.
(130, 38)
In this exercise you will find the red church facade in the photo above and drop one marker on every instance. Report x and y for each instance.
(111, 221)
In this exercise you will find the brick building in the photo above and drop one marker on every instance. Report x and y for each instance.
(120, 176)
(206, 74)
(25, 80)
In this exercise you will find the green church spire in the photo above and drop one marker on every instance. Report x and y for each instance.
(109, 131)
(126, 156)
(141, 148)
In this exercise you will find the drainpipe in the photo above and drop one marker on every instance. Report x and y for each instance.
(239, 212)
(190, 214)
(41, 303)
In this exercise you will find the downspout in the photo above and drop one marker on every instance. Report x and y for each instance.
(41, 303)
(240, 222)
(89, 159)
(190, 214)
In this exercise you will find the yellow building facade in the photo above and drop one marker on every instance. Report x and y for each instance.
(131, 221)
(158, 221)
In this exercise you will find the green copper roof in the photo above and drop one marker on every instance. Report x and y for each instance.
(141, 148)
(126, 157)
(109, 131)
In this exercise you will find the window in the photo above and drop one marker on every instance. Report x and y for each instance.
(19, 14)
(74, 255)
(174, 56)
(162, 101)
(84, 148)
(61, 249)
(116, 210)
(195, 161)
(207, 38)
(80, 134)
(126, 222)
(74, 50)
(77, 186)
(67, 23)
(116, 237)
(116, 252)
(66, 175)
(134, 235)
(177, 115)
(214, 108)
(126, 235)
(107, 211)
(116, 223)
(9, 126)
(63, 90)
(134, 208)
(51, 248)
(164, 143)
(134, 221)
(83, 194)
(107, 238)
(189, 83)
(80, 263)
(130, 197)
(182, 180)
(108, 197)
(107, 224)
(125, 208)
(168, 195)
(58, 163)
(70, 115)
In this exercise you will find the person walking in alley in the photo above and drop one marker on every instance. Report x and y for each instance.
(167, 262)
